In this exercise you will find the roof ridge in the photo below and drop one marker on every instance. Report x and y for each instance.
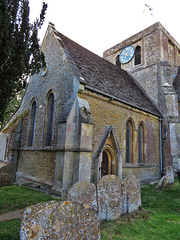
(105, 76)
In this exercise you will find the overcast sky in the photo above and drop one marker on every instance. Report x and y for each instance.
(101, 24)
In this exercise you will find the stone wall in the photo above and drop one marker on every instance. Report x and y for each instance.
(60, 80)
(144, 173)
(105, 113)
(3, 146)
(37, 164)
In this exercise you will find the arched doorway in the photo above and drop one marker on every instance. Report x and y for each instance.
(107, 164)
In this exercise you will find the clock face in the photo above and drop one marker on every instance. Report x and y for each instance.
(126, 54)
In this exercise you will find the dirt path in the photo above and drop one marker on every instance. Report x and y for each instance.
(11, 215)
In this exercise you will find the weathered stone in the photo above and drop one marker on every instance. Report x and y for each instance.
(60, 220)
(109, 197)
(85, 192)
(167, 179)
(131, 194)
(160, 183)
(170, 174)
(7, 174)
(124, 209)
(178, 174)
(164, 182)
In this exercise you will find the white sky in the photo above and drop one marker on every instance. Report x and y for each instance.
(101, 24)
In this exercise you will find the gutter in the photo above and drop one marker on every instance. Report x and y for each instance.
(111, 97)
(160, 143)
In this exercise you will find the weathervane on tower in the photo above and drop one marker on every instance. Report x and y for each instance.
(148, 15)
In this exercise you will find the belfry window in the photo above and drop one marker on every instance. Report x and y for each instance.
(140, 143)
(32, 124)
(118, 62)
(49, 120)
(137, 55)
(129, 142)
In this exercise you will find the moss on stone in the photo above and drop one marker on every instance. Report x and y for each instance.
(12, 126)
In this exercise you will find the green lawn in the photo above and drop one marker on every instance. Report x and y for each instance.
(16, 197)
(158, 219)
(10, 230)
(13, 198)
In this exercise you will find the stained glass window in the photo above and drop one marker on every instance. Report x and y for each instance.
(32, 124)
(49, 120)
(129, 142)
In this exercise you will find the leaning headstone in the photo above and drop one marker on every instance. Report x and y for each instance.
(85, 192)
(170, 174)
(131, 194)
(167, 179)
(6, 175)
(109, 197)
(60, 220)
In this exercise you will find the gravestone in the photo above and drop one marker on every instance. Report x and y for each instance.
(85, 192)
(167, 179)
(60, 220)
(109, 197)
(131, 194)
(7, 174)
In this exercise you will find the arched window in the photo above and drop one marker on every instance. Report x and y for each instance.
(118, 62)
(140, 143)
(49, 120)
(137, 55)
(6, 149)
(32, 124)
(129, 142)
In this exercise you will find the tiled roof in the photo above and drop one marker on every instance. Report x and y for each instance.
(104, 76)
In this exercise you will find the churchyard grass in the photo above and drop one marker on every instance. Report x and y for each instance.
(159, 217)
(13, 198)
(17, 197)
(10, 230)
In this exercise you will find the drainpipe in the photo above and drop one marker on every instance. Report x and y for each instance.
(160, 142)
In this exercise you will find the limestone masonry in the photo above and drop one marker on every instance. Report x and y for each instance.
(84, 117)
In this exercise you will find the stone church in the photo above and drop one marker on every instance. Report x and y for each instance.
(85, 116)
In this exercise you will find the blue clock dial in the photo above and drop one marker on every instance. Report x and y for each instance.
(126, 54)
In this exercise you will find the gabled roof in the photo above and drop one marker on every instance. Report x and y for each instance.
(109, 130)
(104, 76)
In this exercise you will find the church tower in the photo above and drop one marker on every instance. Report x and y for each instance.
(152, 57)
